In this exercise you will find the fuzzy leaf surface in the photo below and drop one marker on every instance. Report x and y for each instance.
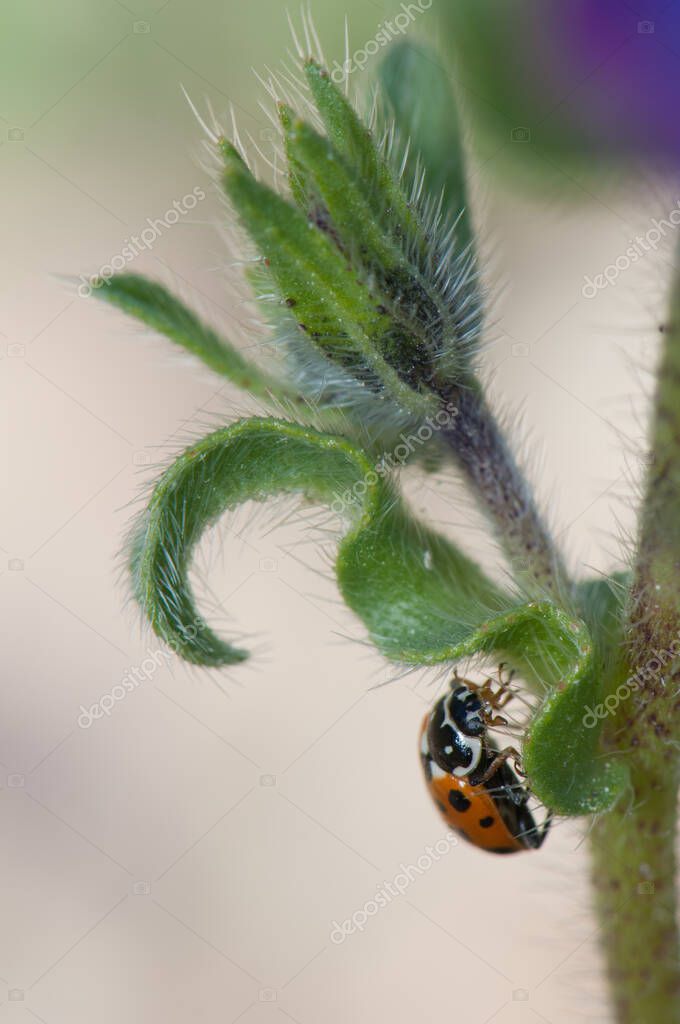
(423, 105)
(335, 309)
(422, 600)
(152, 304)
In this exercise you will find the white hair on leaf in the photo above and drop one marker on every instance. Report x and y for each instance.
(296, 41)
(208, 131)
(236, 138)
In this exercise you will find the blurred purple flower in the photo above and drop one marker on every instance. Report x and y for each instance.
(581, 78)
(617, 66)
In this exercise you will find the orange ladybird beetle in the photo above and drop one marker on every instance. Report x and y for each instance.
(469, 778)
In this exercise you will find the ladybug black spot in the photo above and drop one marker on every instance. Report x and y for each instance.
(441, 806)
(458, 801)
(486, 822)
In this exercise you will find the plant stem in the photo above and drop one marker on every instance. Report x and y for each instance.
(481, 451)
(633, 873)
(655, 605)
(634, 845)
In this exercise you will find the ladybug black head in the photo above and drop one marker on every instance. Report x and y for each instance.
(464, 708)
(455, 731)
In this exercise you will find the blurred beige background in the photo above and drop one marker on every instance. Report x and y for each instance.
(185, 858)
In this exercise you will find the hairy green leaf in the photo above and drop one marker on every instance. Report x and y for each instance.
(297, 179)
(352, 139)
(562, 749)
(151, 303)
(434, 280)
(412, 343)
(418, 595)
(351, 214)
(421, 599)
(379, 181)
(334, 308)
(418, 88)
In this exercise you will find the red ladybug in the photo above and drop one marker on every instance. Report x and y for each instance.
(469, 778)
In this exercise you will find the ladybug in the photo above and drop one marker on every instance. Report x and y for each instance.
(469, 778)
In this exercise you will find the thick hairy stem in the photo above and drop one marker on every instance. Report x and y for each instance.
(655, 606)
(633, 851)
(482, 452)
(634, 846)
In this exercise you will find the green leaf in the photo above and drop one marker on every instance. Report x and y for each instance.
(562, 752)
(601, 604)
(562, 757)
(335, 309)
(415, 591)
(355, 143)
(435, 280)
(296, 176)
(325, 170)
(424, 108)
(421, 599)
(396, 284)
(156, 307)
(349, 136)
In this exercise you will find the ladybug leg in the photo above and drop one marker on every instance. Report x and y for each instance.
(495, 721)
(501, 757)
(485, 692)
(497, 700)
(504, 697)
(505, 694)
(456, 678)
(504, 670)
(505, 678)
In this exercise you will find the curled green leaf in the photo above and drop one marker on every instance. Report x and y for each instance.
(421, 599)
(562, 749)
(561, 755)
(417, 593)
